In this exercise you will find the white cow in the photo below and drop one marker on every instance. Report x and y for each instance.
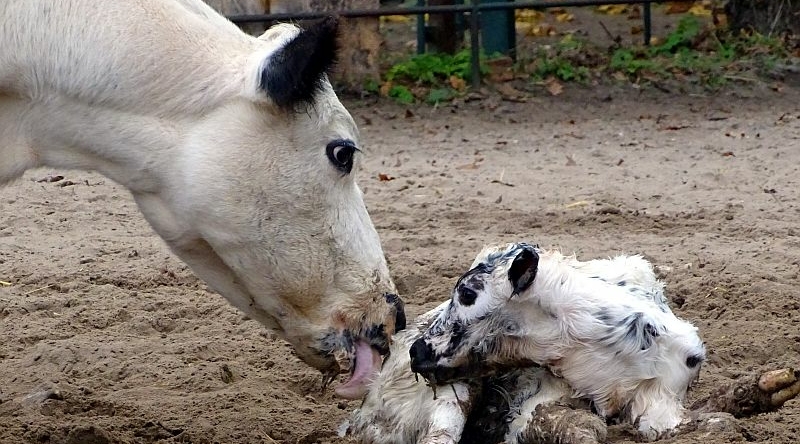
(235, 148)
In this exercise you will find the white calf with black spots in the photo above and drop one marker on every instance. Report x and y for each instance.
(601, 325)
(551, 329)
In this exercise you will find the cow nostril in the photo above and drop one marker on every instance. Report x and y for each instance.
(400, 312)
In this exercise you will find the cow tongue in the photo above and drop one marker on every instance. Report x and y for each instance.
(367, 362)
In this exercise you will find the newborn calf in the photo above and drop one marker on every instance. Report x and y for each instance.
(521, 316)
(602, 325)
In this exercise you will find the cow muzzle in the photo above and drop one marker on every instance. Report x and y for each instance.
(367, 343)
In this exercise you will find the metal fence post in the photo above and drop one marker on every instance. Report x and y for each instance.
(648, 26)
(474, 41)
(421, 29)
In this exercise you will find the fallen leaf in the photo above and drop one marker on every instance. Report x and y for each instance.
(706, 8)
(528, 15)
(385, 88)
(564, 17)
(728, 154)
(457, 83)
(579, 203)
(570, 160)
(677, 7)
(554, 87)
(509, 92)
(635, 13)
(619, 162)
(720, 19)
(5, 284)
(499, 199)
(409, 114)
(636, 29)
(674, 127)
(612, 9)
(543, 30)
(384, 177)
(700, 10)
(523, 28)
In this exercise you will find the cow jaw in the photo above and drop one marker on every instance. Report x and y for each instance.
(365, 363)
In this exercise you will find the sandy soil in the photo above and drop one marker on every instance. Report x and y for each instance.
(107, 337)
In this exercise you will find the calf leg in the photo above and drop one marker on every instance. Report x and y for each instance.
(449, 416)
(746, 397)
(753, 395)
(544, 411)
(554, 422)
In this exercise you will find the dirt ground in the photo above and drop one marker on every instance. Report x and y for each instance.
(106, 337)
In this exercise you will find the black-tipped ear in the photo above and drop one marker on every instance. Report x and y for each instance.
(293, 73)
(523, 269)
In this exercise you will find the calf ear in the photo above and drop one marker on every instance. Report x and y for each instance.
(294, 73)
(523, 269)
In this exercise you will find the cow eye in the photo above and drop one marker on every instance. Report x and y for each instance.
(467, 296)
(340, 153)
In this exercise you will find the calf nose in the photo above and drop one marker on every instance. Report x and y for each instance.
(421, 357)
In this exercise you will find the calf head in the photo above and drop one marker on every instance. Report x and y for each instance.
(270, 187)
(473, 336)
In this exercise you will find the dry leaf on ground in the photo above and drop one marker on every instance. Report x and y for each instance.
(554, 87)
(612, 9)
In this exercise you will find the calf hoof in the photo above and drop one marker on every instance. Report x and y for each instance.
(781, 385)
(753, 395)
(553, 422)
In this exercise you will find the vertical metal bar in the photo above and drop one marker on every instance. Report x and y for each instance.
(421, 30)
(648, 26)
(475, 48)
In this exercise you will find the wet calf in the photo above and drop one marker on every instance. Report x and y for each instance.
(603, 326)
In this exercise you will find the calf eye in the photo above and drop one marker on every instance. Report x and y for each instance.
(340, 153)
(467, 296)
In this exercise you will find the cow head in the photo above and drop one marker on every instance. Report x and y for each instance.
(271, 185)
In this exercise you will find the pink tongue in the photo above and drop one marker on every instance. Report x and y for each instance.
(368, 362)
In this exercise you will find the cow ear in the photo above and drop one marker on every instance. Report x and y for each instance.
(293, 74)
(523, 269)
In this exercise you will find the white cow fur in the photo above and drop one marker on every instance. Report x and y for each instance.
(163, 97)
(596, 361)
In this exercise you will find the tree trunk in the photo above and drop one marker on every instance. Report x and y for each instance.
(230, 7)
(442, 33)
(359, 43)
(359, 38)
(768, 17)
